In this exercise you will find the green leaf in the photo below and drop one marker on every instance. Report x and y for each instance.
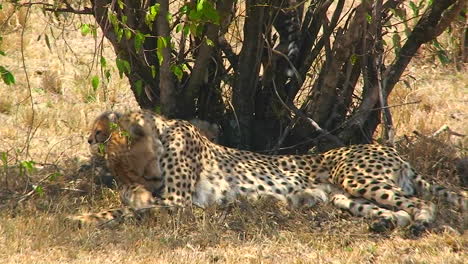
(150, 17)
(113, 19)
(38, 189)
(354, 59)
(85, 29)
(157, 109)
(4, 158)
(123, 66)
(160, 56)
(184, 9)
(103, 62)
(119, 34)
(210, 13)
(441, 53)
(107, 74)
(186, 30)
(396, 40)
(177, 70)
(209, 42)
(154, 9)
(28, 165)
(161, 43)
(121, 4)
(139, 87)
(169, 18)
(193, 15)
(384, 43)
(47, 42)
(414, 8)
(113, 126)
(2, 53)
(200, 5)
(54, 176)
(368, 18)
(128, 33)
(153, 71)
(95, 82)
(101, 149)
(179, 27)
(139, 40)
(7, 76)
(436, 44)
(193, 29)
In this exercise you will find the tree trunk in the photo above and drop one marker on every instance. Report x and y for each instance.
(333, 57)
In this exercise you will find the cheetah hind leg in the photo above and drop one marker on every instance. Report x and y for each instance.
(384, 219)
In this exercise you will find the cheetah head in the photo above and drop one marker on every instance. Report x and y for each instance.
(211, 131)
(101, 130)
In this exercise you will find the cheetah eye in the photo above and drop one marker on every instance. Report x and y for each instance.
(98, 132)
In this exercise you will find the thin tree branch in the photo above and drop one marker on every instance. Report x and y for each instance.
(425, 30)
(68, 9)
(292, 108)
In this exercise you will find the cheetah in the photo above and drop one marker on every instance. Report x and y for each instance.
(371, 181)
(129, 148)
(101, 133)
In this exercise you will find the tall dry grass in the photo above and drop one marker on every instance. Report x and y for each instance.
(51, 130)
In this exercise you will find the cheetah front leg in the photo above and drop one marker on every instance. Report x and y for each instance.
(137, 200)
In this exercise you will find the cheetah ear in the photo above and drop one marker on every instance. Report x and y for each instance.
(114, 116)
(136, 131)
(215, 128)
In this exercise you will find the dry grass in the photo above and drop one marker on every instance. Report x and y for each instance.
(63, 104)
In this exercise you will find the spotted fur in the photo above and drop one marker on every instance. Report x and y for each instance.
(371, 181)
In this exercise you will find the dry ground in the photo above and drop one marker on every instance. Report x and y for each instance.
(50, 129)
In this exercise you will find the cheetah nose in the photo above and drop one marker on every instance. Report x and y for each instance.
(90, 141)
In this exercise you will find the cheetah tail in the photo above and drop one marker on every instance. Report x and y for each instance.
(454, 198)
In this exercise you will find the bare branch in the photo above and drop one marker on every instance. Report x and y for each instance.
(292, 108)
(53, 8)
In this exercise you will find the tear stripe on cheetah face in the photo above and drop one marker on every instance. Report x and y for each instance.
(198, 171)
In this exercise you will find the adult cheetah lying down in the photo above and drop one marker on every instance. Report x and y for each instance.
(372, 181)
(100, 142)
